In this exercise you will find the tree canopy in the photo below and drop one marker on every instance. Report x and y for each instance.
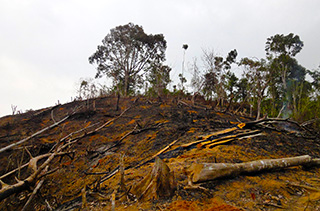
(125, 53)
(275, 85)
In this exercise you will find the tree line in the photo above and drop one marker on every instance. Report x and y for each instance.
(275, 85)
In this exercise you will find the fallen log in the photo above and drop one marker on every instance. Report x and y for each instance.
(210, 171)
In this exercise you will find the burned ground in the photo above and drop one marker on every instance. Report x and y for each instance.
(142, 131)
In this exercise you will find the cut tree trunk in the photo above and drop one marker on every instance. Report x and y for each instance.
(158, 184)
(210, 171)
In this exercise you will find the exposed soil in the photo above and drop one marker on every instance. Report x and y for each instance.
(141, 132)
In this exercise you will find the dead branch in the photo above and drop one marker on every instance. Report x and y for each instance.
(205, 138)
(265, 122)
(34, 160)
(48, 205)
(273, 205)
(100, 127)
(228, 138)
(164, 149)
(108, 122)
(309, 122)
(71, 134)
(77, 138)
(7, 190)
(304, 187)
(84, 198)
(113, 200)
(33, 135)
(111, 174)
(122, 183)
(52, 117)
(38, 171)
(13, 171)
(193, 106)
(184, 103)
(209, 138)
(133, 131)
(46, 109)
(157, 154)
(34, 191)
(211, 171)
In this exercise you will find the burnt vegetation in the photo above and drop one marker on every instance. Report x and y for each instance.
(230, 144)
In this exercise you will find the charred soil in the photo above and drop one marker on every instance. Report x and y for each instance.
(108, 152)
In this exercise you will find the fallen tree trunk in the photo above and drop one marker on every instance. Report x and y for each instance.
(211, 171)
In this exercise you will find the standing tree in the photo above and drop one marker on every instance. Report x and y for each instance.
(258, 79)
(181, 76)
(316, 81)
(197, 78)
(216, 70)
(159, 78)
(125, 53)
(280, 50)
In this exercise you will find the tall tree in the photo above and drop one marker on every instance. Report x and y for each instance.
(158, 78)
(280, 44)
(258, 79)
(216, 70)
(280, 50)
(125, 53)
(315, 75)
(197, 78)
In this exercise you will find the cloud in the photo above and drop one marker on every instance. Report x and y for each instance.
(45, 45)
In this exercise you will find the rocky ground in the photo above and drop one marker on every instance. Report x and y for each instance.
(99, 154)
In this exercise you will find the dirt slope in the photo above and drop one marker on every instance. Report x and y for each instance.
(91, 168)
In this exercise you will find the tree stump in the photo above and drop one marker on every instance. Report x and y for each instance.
(158, 184)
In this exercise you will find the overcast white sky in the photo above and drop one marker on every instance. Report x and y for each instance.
(45, 44)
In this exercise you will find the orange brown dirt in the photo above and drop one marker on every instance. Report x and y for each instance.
(146, 128)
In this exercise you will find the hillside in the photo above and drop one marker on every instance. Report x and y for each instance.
(92, 154)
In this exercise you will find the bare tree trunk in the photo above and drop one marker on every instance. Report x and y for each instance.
(211, 171)
(118, 99)
(295, 110)
(258, 108)
(280, 112)
(126, 84)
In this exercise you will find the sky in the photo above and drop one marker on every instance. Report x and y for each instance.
(45, 45)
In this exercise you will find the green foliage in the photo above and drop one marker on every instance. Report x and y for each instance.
(125, 53)
(315, 75)
(217, 71)
(182, 80)
(280, 44)
(158, 78)
(275, 85)
(243, 90)
(89, 88)
(231, 82)
(258, 79)
(287, 76)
